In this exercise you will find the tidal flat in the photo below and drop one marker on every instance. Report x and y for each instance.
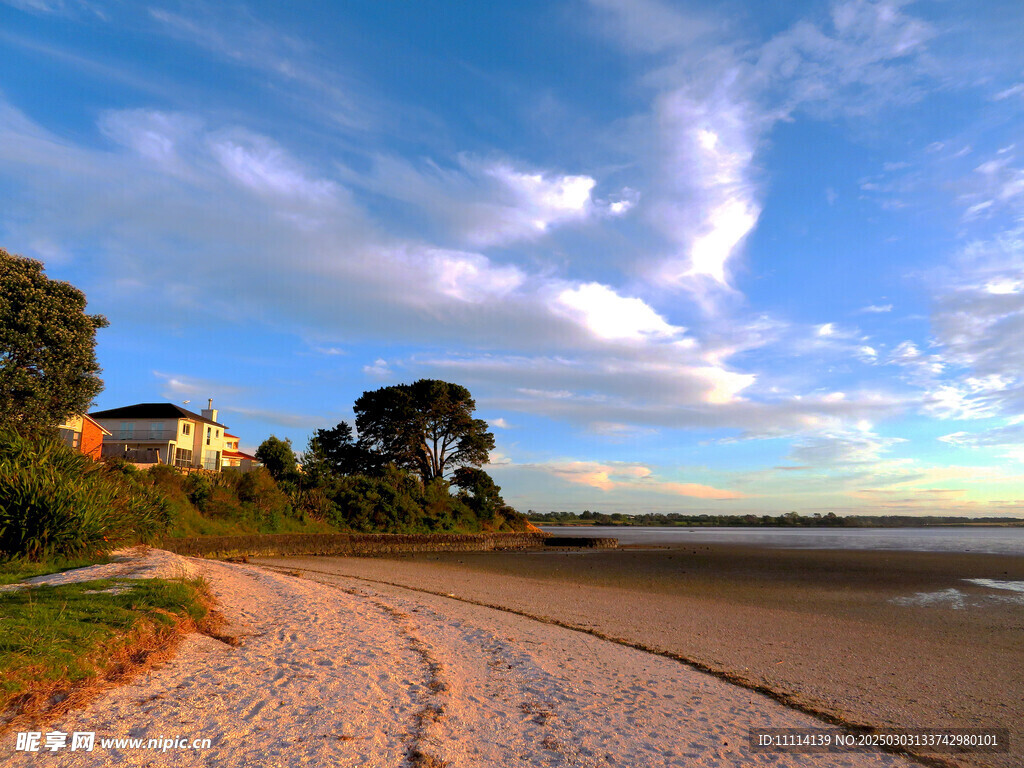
(880, 639)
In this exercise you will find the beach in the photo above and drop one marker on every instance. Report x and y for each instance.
(331, 669)
(881, 639)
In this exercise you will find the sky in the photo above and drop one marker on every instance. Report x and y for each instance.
(697, 257)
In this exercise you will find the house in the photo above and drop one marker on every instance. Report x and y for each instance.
(164, 433)
(233, 458)
(84, 434)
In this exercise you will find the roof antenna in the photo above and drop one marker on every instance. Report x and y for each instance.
(185, 402)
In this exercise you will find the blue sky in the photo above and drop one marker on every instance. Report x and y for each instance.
(694, 257)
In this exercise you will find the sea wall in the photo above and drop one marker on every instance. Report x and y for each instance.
(588, 542)
(368, 544)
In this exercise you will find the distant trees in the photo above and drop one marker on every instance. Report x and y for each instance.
(48, 368)
(426, 427)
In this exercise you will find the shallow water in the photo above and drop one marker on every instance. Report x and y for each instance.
(1000, 541)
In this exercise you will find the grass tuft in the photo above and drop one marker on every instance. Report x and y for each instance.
(61, 644)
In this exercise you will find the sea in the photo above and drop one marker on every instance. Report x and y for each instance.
(987, 540)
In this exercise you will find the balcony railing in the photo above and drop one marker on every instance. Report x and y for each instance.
(143, 435)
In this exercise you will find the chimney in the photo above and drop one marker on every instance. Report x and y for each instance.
(209, 412)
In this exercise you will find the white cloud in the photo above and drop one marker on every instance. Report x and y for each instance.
(379, 368)
(265, 167)
(708, 203)
(550, 198)
(158, 137)
(871, 53)
(471, 277)
(612, 476)
(176, 386)
(1013, 90)
(970, 399)
(717, 101)
(71, 8)
(1010, 435)
(841, 449)
(877, 308)
(867, 354)
(486, 203)
(608, 315)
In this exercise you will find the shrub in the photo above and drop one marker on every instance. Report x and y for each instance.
(199, 489)
(258, 490)
(55, 502)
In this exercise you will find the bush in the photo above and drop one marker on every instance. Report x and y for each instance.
(259, 491)
(199, 489)
(55, 502)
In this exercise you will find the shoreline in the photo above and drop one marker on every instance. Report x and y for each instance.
(822, 630)
(331, 670)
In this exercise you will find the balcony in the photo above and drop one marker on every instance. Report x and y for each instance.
(144, 436)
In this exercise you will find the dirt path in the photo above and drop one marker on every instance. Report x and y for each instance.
(344, 673)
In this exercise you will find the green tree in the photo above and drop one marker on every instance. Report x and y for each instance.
(481, 494)
(427, 427)
(277, 456)
(335, 451)
(48, 368)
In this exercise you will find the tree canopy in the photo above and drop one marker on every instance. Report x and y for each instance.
(48, 368)
(426, 427)
(277, 456)
(335, 451)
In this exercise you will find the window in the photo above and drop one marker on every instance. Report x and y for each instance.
(186, 428)
(211, 460)
(216, 433)
(70, 437)
(127, 430)
(183, 457)
(208, 432)
(156, 429)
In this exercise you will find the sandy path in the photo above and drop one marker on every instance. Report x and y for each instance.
(349, 674)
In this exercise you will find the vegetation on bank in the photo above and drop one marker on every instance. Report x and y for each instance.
(55, 503)
(415, 442)
(68, 640)
(790, 519)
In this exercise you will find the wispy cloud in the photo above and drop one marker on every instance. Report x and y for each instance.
(624, 476)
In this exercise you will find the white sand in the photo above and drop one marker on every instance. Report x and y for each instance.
(131, 563)
(348, 674)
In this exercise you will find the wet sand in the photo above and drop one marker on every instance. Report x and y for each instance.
(867, 638)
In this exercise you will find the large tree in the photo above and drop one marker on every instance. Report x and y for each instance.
(48, 368)
(427, 427)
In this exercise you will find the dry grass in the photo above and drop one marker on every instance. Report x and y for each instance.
(61, 647)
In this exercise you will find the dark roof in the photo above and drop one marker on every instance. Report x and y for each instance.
(152, 411)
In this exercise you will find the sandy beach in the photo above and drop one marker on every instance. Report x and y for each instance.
(335, 670)
(884, 639)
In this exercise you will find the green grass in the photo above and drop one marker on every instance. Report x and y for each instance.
(19, 569)
(54, 638)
